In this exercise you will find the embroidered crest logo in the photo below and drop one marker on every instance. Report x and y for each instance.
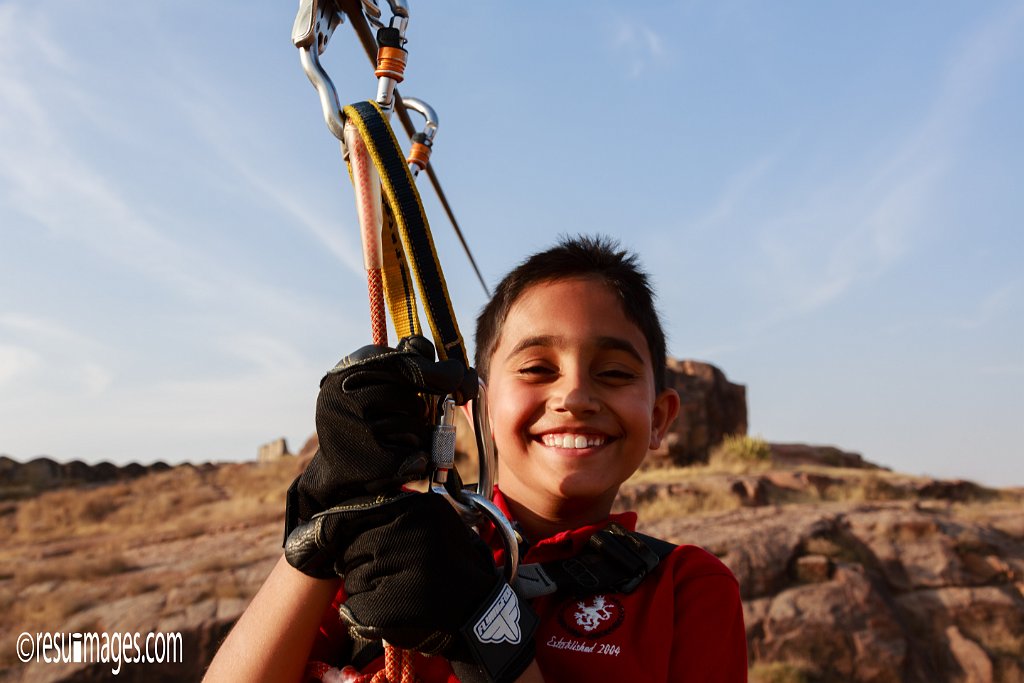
(500, 624)
(594, 617)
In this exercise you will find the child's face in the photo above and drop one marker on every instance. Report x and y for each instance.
(571, 393)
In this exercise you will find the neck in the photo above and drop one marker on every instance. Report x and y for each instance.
(543, 521)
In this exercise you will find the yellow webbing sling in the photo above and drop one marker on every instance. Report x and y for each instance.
(408, 244)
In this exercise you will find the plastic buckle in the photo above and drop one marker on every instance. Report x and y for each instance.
(630, 554)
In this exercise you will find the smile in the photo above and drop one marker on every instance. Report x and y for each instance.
(572, 440)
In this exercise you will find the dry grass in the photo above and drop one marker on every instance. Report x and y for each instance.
(82, 569)
(864, 486)
(742, 453)
(777, 672)
(182, 502)
(68, 551)
(687, 504)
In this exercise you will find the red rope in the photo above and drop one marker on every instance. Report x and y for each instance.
(398, 668)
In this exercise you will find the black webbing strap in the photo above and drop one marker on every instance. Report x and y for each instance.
(614, 561)
(410, 220)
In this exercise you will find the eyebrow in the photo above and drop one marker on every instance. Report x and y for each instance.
(552, 341)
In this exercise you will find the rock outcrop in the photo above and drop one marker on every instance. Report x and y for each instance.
(847, 574)
(272, 450)
(711, 407)
(909, 588)
(22, 480)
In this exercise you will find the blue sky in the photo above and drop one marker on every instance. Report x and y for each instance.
(826, 194)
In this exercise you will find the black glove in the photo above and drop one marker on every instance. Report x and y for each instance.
(375, 434)
(423, 581)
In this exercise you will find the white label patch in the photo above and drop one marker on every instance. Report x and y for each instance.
(500, 623)
(591, 616)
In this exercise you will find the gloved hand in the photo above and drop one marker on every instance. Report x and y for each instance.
(375, 434)
(423, 581)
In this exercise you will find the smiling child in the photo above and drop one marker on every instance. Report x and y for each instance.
(573, 355)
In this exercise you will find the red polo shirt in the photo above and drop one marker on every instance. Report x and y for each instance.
(683, 623)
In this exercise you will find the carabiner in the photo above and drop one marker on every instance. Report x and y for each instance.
(314, 24)
(422, 142)
(472, 505)
(391, 53)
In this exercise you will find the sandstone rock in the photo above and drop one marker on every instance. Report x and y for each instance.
(813, 568)
(23, 480)
(908, 589)
(844, 627)
(795, 454)
(758, 544)
(711, 407)
(272, 450)
(903, 577)
(975, 664)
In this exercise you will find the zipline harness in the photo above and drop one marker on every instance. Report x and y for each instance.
(400, 258)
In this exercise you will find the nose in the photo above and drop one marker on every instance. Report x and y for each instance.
(576, 395)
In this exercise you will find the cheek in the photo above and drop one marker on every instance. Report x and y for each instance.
(508, 419)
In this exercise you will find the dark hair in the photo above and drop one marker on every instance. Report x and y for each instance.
(583, 256)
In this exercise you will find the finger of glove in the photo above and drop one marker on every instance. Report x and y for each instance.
(362, 355)
(449, 376)
(409, 370)
(417, 344)
(324, 484)
(362, 366)
(316, 546)
(375, 413)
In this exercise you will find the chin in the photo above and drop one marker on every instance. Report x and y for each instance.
(581, 487)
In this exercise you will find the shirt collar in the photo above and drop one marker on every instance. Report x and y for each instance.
(565, 543)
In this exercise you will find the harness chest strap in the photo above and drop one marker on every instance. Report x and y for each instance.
(614, 560)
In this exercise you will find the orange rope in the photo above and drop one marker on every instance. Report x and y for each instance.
(398, 668)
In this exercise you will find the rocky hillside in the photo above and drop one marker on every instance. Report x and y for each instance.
(848, 572)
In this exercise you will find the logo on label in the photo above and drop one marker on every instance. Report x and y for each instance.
(500, 623)
(593, 618)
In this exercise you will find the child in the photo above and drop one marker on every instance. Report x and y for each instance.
(573, 355)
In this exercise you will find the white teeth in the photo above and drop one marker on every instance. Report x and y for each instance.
(572, 441)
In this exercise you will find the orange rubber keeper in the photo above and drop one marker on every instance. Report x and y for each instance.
(419, 155)
(391, 63)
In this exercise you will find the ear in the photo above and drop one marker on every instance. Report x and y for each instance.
(666, 408)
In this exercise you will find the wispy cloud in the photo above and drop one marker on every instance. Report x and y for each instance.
(216, 121)
(992, 305)
(733, 198)
(15, 361)
(637, 44)
(45, 181)
(855, 225)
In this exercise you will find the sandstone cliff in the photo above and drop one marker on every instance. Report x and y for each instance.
(847, 574)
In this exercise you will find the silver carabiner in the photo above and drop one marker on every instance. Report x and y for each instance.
(473, 505)
(422, 142)
(314, 24)
(399, 15)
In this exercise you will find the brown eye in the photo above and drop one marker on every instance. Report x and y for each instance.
(617, 375)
